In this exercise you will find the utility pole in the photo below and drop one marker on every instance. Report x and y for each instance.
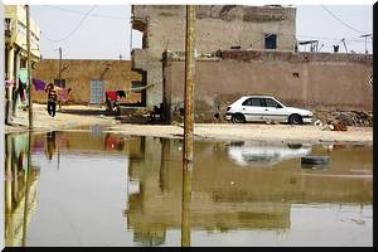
(346, 49)
(188, 124)
(366, 36)
(29, 66)
(60, 66)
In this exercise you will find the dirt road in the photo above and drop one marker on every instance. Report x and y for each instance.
(44, 122)
(263, 132)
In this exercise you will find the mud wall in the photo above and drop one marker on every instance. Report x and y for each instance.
(321, 81)
(116, 74)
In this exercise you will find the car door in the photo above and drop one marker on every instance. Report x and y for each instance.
(274, 111)
(253, 109)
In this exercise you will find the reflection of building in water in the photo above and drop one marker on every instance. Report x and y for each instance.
(149, 237)
(20, 190)
(63, 142)
(226, 196)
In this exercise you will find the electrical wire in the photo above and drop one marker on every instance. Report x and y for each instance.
(74, 30)
(341, 21)
(82, 13)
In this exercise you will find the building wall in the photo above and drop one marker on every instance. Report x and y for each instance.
(17, 16)
(320, 81)
(79, 73)
(217, 27)
(16, 53)
(2, 120)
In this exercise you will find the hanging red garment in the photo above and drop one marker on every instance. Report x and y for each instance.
(112, 95)
(22, 92)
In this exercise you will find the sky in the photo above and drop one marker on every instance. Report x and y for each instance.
(103, 31)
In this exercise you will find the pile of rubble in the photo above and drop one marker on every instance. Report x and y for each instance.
(351, 118)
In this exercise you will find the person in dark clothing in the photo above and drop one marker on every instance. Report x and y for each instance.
(52, 97)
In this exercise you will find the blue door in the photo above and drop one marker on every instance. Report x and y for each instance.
(97, 91)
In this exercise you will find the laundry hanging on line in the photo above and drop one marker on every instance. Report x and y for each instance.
(63, 94)
(39, 85)
(21, 90)
(23, 75)
(112, 95)
(121, 93)
(9, 83)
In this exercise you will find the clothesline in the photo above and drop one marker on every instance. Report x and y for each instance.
(139, 88)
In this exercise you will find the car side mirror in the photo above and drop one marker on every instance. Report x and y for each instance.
(278, 106)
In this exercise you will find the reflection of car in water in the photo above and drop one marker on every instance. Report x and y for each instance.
(265, 154)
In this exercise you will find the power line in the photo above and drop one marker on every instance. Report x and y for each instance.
(74, 30)
(82, 13)
(341, 21)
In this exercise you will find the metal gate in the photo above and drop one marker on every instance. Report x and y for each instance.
(97, 91)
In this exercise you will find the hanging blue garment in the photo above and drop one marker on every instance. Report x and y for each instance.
(23, 75)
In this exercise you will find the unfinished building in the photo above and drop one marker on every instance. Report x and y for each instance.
(219, 27)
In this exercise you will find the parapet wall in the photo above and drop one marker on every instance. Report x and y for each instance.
(318, 81)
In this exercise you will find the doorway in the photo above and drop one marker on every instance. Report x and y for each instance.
(97, 91)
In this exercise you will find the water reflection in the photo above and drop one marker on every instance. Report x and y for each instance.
(265, 154)
(20, 189)
(227, 197)
(127, 191)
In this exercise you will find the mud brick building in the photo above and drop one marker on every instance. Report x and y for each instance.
(243, 50)
(88, 79)
(218, 27)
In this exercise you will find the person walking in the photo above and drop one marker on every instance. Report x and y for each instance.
(51, 99)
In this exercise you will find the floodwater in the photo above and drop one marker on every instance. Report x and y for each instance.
(92, 188)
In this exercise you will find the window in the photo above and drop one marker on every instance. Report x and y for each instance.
(270, 41)
(7, 26)
(255, 102)
(60, 83)
(272, 103)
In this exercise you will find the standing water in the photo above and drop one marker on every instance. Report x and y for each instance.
(104, 189)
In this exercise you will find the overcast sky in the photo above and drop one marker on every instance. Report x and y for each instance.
(104, 33)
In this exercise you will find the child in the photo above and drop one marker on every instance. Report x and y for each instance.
(51, 99)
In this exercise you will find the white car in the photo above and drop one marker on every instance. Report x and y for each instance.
(265, 108)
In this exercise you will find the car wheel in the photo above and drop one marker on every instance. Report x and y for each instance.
(238, 118)
(295, 119)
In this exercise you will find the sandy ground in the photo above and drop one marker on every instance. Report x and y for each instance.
(259, 132)
(250, 131)
(44, 122)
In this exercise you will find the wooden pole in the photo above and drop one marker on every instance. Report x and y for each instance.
(29, 66)
(60, 66)
(189, 84)
(188, 123)
(27, 191)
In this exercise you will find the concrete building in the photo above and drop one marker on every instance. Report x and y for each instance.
(88, 79)
(16, 55)
(318, 81)
(218, 27)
